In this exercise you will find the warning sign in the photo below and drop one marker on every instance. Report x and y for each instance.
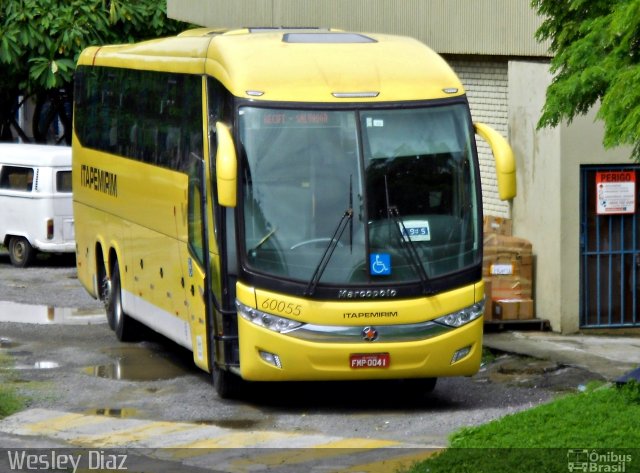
(616, 192)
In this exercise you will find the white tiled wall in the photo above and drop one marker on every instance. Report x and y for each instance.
(485, 81)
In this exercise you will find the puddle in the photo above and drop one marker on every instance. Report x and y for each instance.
(7, 343)
(121, 413)
(42, 314)
(19, 353)
(532, 373)
(231, 423)
(38, 365)
(137, 364)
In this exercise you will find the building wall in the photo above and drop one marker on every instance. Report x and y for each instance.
(486, 83)
(494, 27)
(580, 144)
(547, 208)
(536, 209)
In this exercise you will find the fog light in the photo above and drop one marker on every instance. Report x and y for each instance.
(270, 358)
(460, 354)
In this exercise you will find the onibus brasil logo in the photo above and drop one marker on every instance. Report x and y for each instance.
(594, 461)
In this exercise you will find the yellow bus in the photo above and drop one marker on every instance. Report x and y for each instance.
(289, 204)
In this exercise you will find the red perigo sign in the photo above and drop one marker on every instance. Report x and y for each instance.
(616, 192)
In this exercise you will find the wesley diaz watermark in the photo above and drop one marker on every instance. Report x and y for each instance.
(597, 461)
(62, 460)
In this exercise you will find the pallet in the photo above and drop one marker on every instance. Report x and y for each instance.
(529, 324)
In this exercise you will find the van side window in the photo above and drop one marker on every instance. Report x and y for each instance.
(16, 178)
(63, 181)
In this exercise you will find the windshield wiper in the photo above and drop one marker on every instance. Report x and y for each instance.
(346, 219)
(407, 244)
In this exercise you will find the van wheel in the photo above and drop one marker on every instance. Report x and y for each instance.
(21, 253)
(122, 324)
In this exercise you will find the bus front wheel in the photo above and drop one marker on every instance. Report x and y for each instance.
(21, 253)
(226, 384)
(421, 386)
(122, 324)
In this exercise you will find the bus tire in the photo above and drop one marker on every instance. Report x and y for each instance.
(21, 253)
(123, 325)
(104, 293)
(226, 384)
(421, 386)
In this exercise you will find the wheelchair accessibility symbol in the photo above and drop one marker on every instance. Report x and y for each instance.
(380, 264)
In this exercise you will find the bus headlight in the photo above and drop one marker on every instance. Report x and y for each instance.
(266, 320)
(462, 317)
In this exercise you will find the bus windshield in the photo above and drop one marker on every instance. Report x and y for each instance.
(385, 195)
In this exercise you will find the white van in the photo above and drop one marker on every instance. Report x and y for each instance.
(36, 211)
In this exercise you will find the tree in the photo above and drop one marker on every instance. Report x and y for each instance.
(596, 48)
(40, 41)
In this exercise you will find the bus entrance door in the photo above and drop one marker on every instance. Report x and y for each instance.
(198, 267)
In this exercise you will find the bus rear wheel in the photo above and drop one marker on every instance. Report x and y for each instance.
(122, 324)
(21, 253)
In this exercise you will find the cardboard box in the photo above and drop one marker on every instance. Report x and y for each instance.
(507, 256)
(495, 244)
(488, 301)
(506, 309)
(510, 287)
(526, 310)
(501, 265)
(498, 225)
(513, 309)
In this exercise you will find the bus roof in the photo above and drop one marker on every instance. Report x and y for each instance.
(35, 155)
(310, 65)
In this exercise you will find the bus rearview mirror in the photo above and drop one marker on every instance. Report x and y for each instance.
(504, 159)
(226, 167)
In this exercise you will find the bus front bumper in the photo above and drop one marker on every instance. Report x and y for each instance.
(270, 356)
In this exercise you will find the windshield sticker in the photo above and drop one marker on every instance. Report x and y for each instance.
(380, 264)
(374, 122)
(416, 230)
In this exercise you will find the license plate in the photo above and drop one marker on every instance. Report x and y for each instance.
(369, 360)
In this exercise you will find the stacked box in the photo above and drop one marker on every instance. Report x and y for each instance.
(488, 303)
(513, 309)
(498, 225)
(507, 270)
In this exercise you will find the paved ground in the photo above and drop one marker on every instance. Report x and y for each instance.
(558, 363)
(608, 356)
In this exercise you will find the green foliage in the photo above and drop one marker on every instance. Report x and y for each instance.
(40, 40)
(596, 47)
(10, 401)
(601, 419)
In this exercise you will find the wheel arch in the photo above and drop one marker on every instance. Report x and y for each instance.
(113, 258)
(9, 235)
(100, 270)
